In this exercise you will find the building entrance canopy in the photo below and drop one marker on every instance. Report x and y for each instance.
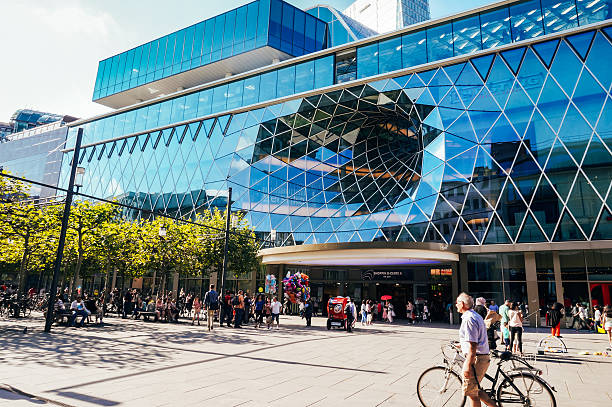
(360, 254)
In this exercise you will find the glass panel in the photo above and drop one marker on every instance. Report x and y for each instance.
(304, 76)
(228, 33)
(483, 267)
(599, 264)
(439, 42)
(267, 90)
(311, 24)
(204, 102)
(467, 35)
(574, 293)
(161, 51)
(191, 106)
(99, 76)
(414, 49)
(592, 11)
(263, 20)
(241, 15)
(178, 109)
(513, 266)
(559, 15)
(234, 94)
(165, 111)
(287, 28)
(196, 50)
(217, 42)
(367, 61)
(251, 91)
(516, 292)
(178, 48)
(495, 28)
(390, 55)
(120, 69)
(544, 266)
(346, 67)
(489, 290)
(219, 99)
(572, 265)
(187, 47)
(339, 35)
(298, 32)
(251, 24)
(324, 71)
(169, 52)
(526, 19)
(136, 66)
(209, 30)
(286, 81)
(320, 40)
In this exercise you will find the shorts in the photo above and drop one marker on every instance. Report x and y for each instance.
(275, 317)
(608, 326)
(470, 385)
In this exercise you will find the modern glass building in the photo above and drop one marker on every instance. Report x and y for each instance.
(471, 152)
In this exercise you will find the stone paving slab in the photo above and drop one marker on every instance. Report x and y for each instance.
(133, 363)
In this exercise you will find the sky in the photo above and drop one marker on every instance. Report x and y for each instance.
(50, 49)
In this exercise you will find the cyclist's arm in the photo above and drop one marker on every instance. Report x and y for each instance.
(470, 359)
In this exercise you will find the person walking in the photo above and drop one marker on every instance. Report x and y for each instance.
(211, 304)
(238, 303)
(196, 305)
(349, 311)
(267, 312)
(369, 311)
(259, 307)
(226, 314)
(515, 321)
(364, 313)
(275, 309)
(390, 312)
(607, 323)
(475, 348)
(597, 318)
(555, 317)
(308, 312)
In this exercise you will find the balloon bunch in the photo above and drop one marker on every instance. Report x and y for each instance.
(297, 287)
(270, 284)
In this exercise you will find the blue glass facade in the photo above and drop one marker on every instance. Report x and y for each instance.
(261, 23)
(512, 146)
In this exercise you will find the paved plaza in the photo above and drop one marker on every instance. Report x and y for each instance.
(134, 363)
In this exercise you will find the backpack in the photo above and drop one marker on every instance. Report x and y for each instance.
(212, 300)
(236, 300)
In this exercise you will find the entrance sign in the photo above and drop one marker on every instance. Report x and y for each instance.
(387, 275)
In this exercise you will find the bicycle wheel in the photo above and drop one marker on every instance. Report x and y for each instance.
(535, 390)
(552, 344)
(438, 386)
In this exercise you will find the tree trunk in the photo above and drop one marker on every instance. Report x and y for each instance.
(79, 257)
(22, 266)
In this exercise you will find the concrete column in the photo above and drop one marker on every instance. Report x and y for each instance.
(533, 298)
(175, 283)
(454, 292)
(558, 282)
(463, 273)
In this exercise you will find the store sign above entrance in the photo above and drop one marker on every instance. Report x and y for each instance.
(389, 275)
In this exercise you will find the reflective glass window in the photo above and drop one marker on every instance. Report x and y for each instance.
(241, 15)
(286, 81)
(153, 115)
(228, 33)
(592, 11)
(367, 60)
(191, 106)
(219, 99)
(113, 72)
(321, 32)
(99, 76)
(495, 28)
(161, 50)
(299, 22)
(217, 41)
(178, 48)
(209, 31)
(390, 55)
(165, 113)
(141, 119)
(148, 56)
(324, 72)
(136, 66)
(169, 52)
(129, 62)
(526, 20)
(196, 50)
(304, 76)
(559, 15)
(276, 17)
(204, 102)
(339, 35)
(599, 266)
(287, 27)
(439, 42)
(414, 49)
(572, 264)
(263, 20)
(234, 94)
(120, 69)
(187, 47)
(346, 66)
(251, 91)
(251, 25)
(311, 24)
(267, 89)
(466, 33)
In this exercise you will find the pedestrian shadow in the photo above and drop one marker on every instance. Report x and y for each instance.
(89, 399)
(12, 396)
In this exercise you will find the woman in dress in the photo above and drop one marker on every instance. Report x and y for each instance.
(515, 321)
(607, 323)
(197, 307)
(390, 312)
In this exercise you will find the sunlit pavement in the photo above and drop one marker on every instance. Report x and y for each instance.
(135, 363)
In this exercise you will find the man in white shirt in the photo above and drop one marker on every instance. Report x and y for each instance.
(78, 308)
(275, 308)
(475, 348)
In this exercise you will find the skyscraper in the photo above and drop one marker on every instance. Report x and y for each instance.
(388, 15)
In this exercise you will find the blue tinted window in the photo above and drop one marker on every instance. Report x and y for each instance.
(178, 48)
(136, 65)
(120, 69)
(367, 60)
(251, 24)
(169, 51)
(99, 76)
(165, 113)
(439, 42)
(241, 15)
(153, 115)
(287, 28)
(324, 72)
(304, 76)
(187, 47)
(234, 94)
(178, 109)
(219, 99)
(592, 11)
(263, 19)
(204, 102)
(129, 63)
(251, 91)
(339, 35)
(467, 35)
(191, 106)
(495, 28)
(196, 50)
(299, 22)
(207, 42)
(559, 15)
(320, 35)
(148, 58)
(228, 33)
(390, 55)
(414, 49)
(161, 50)
(276, 17)
(218, 38)
(311, 24)
(286, 81)
(526, 20)
(267, 89)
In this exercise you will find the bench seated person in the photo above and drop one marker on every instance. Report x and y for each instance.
(60, 313)
(149, 312)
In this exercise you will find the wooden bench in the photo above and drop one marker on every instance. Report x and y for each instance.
(61, 315)
(148, 314)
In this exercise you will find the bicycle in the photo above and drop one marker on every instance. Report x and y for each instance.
(520, 385)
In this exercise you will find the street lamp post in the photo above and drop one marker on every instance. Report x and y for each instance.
(225, 245)
(65, 218)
